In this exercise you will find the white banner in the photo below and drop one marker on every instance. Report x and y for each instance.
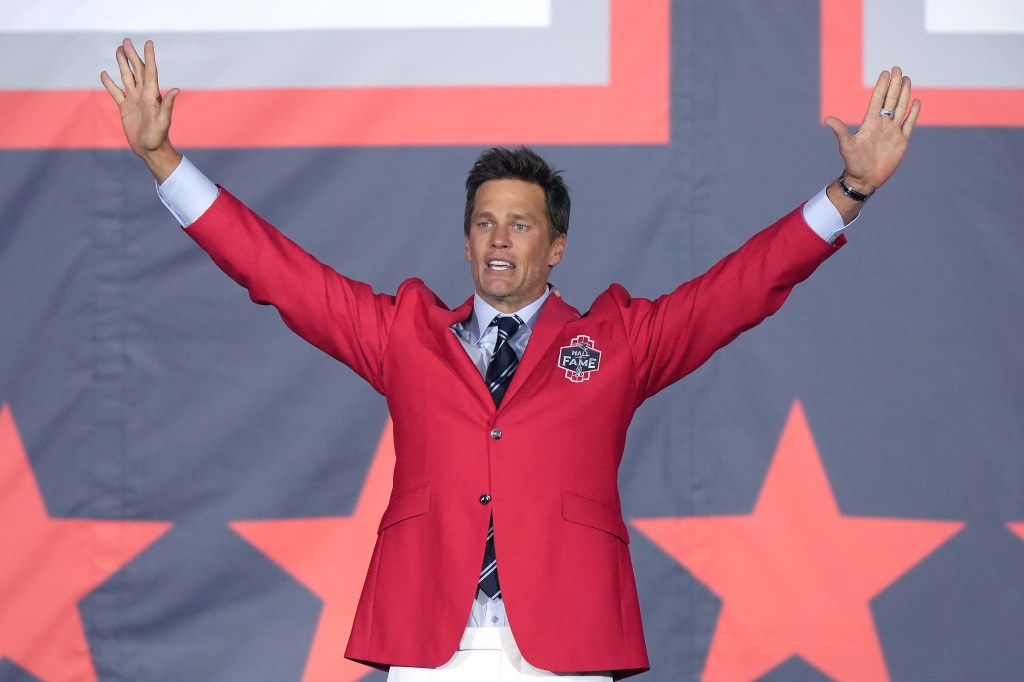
(976, 16)
(269, 15)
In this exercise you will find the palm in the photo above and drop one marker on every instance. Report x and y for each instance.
(142, 124)
(875, 151)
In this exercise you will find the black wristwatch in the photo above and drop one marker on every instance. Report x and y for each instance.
(851, 192)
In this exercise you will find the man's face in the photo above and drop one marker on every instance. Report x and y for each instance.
(509, 248)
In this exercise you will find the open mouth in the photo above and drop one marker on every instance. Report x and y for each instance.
(500, 265)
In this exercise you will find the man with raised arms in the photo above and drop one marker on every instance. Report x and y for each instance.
(489, 468)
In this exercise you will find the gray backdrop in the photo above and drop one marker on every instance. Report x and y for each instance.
(145, 387)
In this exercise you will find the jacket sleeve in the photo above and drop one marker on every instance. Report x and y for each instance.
(338, 315)
(676, 333)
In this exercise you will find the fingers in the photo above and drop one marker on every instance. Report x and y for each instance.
(908, 125)
(151, 80)
(135, 72)
(144, 75)
(115, 92)
(904, 99)
(167, 105)
(838, 127)
(892, 92)
(877, 100)
(127, 77)
(897, 99)
(133, 59)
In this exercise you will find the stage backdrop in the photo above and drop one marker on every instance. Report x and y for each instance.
(189, 492)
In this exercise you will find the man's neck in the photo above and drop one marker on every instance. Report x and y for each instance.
(484, 312)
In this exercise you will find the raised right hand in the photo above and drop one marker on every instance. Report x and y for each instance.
(145, 115)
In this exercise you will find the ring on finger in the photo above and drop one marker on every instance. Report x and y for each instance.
(888, 114)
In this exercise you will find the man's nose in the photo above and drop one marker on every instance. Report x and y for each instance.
(499, 236)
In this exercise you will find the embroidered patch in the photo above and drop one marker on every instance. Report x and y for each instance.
(579, 359)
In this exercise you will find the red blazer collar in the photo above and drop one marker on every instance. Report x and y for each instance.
(554, 315)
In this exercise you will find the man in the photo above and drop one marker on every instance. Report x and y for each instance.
(484, 397)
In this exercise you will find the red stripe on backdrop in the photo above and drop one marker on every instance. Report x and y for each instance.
(843, 92)
(632, 109)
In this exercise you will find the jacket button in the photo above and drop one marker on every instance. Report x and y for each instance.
(485, 498)
(496, 434)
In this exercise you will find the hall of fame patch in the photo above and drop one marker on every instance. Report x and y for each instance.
(579, 359)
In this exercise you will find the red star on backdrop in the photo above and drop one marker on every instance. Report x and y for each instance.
(48, 564)
(330, 557)
(796, 577)
(1017, 528)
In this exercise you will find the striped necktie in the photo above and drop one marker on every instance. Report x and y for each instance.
(499, 374)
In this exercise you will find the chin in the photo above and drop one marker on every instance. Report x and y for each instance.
(498, 295)
(499, 291)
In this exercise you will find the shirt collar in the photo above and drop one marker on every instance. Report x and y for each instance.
(484, 313)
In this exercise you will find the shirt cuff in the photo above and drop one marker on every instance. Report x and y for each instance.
(823, 217)
(187, 193)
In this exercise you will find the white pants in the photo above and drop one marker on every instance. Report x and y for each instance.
(488, 655)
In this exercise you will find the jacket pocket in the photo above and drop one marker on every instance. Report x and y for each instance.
(590, 512)
(414, 502)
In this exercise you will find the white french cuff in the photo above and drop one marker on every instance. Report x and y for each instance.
(823, 217)
(187, 193)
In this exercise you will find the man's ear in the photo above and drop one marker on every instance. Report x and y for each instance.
(556, 250)
(468, 259)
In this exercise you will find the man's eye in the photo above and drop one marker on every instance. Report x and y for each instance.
(484, 224)
(519, 227)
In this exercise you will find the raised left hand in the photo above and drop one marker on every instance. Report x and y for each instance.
(875, 151)
(145, 114)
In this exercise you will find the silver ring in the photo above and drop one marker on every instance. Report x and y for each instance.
(888, 114)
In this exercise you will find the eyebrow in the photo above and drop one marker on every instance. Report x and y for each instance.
(511, 216)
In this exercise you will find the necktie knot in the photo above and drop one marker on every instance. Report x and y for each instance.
(507, 326)
(504, 359)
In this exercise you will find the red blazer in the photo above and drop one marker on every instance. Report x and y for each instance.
(548, 457)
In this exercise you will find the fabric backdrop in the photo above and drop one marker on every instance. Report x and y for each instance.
(189, 492)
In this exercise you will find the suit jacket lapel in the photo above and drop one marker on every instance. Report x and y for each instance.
(441, 321)
(555, 314)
